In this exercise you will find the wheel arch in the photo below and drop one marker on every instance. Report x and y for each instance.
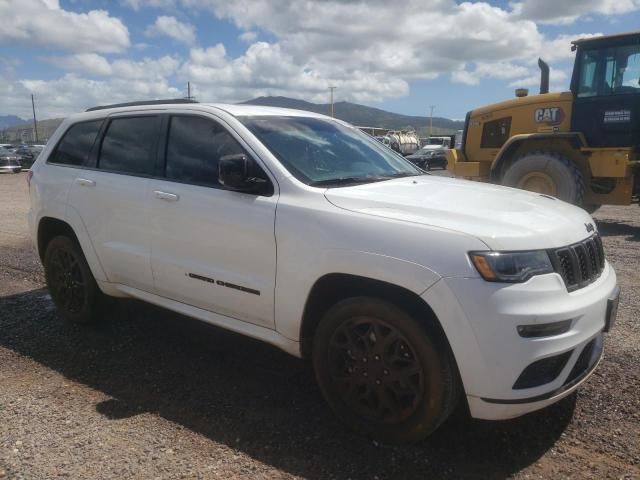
(333, 287)
(570, 140)
(50, 227)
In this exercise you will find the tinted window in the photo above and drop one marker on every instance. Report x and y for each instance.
(129, 145)
(74, 147)
(194, 147)
(324, 152)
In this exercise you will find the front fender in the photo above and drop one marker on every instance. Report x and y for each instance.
(293, 284)
(576, 139)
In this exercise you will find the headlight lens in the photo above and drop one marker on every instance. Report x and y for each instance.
(513, 267)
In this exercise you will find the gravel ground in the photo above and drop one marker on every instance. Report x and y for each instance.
(151, 394)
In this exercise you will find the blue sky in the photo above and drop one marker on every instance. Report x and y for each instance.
(73, 54)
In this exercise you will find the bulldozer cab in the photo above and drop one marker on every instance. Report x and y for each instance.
(606, 89)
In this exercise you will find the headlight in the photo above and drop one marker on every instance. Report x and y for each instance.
(511, 267)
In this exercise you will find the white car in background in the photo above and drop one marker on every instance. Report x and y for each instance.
(408, 292)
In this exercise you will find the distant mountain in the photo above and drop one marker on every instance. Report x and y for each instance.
(362, 115)
(23, 131)
(10, 120)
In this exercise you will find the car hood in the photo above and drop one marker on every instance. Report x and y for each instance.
(503, 218)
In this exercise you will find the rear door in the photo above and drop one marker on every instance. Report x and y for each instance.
(212, 248)
(111, 198)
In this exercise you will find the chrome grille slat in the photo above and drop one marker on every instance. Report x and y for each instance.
(579, 264)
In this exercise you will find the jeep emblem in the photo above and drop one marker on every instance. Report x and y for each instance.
(589, 227)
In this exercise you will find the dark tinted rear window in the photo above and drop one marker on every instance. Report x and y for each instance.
(195, 146)
(129, 146)
(76, 144)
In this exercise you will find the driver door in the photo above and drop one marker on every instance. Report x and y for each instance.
(211, 247)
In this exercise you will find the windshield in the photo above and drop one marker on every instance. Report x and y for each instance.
(321, 152)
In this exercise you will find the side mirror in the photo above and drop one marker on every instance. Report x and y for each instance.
(233, 173)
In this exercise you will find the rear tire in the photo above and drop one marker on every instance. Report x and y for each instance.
(548, 173)
(71, 284)
(383, 374)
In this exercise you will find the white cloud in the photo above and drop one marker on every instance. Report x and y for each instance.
(265, 69)
(248, 37)
(173, 28)
(500, 70)
(72, 93)
(147, 69)
(370, 50)
(138, 4)
(567, 11)
(43, 23)
(123, 69)
(557, 77)
(559, 48)
(316, 46)
(89, 63)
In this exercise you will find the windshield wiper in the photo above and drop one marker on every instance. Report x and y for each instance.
(356, 180)
(399, 175)
(345, 181)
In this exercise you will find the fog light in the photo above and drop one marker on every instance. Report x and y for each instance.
(544, 329)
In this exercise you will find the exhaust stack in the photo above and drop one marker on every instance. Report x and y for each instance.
(544, 76)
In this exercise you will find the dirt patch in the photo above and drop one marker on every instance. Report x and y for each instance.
(151, 394)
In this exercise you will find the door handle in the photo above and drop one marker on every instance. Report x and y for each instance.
(169, 197)
(84, 182)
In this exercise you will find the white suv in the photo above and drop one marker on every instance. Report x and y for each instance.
(406, 290)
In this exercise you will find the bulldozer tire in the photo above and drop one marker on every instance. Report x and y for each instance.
(591, 208)
(548, 173)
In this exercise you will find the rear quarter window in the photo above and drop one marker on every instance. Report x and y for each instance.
(75, 146)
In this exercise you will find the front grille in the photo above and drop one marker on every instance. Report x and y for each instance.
(579, 264)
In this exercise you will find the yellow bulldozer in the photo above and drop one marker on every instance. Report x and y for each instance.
(582, 146)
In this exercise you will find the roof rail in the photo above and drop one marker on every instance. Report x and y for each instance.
(142, 103)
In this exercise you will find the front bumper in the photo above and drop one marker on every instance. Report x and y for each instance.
(481, 322)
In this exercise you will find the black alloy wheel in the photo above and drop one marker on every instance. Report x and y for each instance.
(383, 373)
(68, 287)
(375, 370)
(71, 284)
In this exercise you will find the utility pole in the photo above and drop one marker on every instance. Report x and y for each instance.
(35, 123)
(331, 89)
(431, 107)
(189, 97)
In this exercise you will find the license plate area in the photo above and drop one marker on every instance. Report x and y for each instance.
(612, 310)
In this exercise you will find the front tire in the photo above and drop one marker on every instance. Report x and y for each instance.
(383, 373)
(16, 170)
(549, 173)
(71, 284)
